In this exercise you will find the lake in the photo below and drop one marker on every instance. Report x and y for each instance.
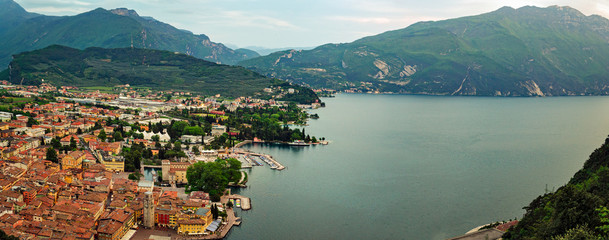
(419, 167)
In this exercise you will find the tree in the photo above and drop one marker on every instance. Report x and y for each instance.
(117, 136)
(102, 135)
(195, 150)
(31, 121)
(51, 154)
(214, 211)
(231, 168)
(176, 129)
(55, 143)
(135, 176)
(177, 146)
(229, 204)
(581, 232)
(155, 138)
(209, 177)
(73, 144)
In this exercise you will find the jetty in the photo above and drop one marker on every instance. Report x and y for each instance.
(245, 201)
(238, 145)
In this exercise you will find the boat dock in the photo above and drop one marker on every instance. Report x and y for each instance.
(250, 159)
(269, 160)
(245, 163)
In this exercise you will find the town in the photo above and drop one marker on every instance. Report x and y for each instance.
(113, 163)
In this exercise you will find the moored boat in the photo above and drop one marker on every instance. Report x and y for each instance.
(299, 143)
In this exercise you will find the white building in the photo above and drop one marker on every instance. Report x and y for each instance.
(163, 137)
(191, 139)
(217, 130)
(35, 132)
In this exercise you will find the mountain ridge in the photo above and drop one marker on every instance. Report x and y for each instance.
(99, 27)
(155, 69)
(528, 51)
(158, 69)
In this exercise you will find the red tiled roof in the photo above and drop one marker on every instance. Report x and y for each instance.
(504, 227)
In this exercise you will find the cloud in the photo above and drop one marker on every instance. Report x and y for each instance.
(55, 3)
(243, 18)
(375, 20)
(58, 10)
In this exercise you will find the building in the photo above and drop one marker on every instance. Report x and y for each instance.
(174, 172)
(191, 139)
(217, 130)
(35, 132)
(149, 210)
(194, 222)
(109, 230)
(146, 186)
(5, 116)
(73, 160)
(208, 139)
(165, 215)
(111, 162)
(108, 227)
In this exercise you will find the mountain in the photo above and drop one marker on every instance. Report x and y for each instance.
(22, 31)
(12, 14)
(266, 51)
(528, 51)
(160, 70)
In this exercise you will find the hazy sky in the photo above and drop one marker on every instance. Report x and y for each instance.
(298, 23)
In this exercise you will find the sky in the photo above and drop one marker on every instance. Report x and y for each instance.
(298, 23)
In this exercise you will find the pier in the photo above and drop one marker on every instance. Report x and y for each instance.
(245, 201)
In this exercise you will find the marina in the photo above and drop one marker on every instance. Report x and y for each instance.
(250, 159)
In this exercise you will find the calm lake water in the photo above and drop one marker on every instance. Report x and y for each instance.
(420, 167)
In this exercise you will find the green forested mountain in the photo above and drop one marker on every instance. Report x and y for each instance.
(528, 51)
(162, 70)
(12, 14)
(22, 31)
